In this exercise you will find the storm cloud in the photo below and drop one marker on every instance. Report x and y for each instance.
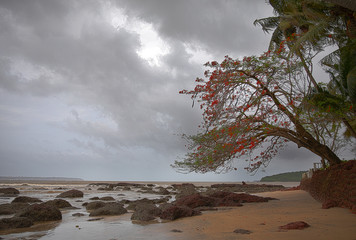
(90, 88)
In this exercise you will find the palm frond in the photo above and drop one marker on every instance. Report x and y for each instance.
(312, 36)
(267, 24)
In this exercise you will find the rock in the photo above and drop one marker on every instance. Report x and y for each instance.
(204, 209)
(109, 209)
(185, 189)
(41, 212)
(95, 219)
(235, 199)
(9, 191)
(15, 222)
(108, 198)
(145, 212)
(59, 203)
(329, 204)
(71, 194)
(95, 205)
(175, 212)
(163, 191)
(24, 199)
(242, 231)
(295, 225)
(105, 189)
(78, 214)
(248, 188)
(94, 198)
(11, 208)
(196, 200)
(133, 204)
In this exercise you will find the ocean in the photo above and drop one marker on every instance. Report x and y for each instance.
(85, 227)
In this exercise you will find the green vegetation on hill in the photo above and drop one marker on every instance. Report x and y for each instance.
(284, 177)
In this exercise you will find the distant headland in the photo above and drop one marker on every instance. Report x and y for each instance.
(284, 177)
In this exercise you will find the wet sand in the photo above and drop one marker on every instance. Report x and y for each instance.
(264, 219)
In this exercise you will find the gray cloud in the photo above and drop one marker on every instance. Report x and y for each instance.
(74, 91)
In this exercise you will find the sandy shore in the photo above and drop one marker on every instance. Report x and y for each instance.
(263, 219)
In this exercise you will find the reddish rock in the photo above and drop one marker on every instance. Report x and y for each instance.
(175, 212)
(196, 200)
(295, 225)
(235, 199)
(329, 204)
(353, 210)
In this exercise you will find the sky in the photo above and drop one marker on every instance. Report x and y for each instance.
(89, 88)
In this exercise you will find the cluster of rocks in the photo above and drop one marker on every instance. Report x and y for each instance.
(28, 210)
(190, 200)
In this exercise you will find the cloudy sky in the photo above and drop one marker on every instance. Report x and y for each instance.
(90, 88)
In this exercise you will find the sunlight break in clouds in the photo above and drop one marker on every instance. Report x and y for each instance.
(153, 47)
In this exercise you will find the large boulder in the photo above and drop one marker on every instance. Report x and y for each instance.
(71, 194)
(184, 189)
(11, 208)
(109, 209)
(9, 191)
(59, 203)
(145, 212)
(133, 204)
(95, 205)
(15, 222)
(41, 212)
(174, 212)
(24, 199)
(196, 200)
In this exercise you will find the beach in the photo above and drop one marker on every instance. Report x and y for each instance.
(264, 219)
(261, 219)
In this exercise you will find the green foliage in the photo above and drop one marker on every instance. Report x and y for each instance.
(284, 177)
(312, 26)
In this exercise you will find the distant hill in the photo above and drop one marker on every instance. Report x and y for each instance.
(39, 179)
(284, 177)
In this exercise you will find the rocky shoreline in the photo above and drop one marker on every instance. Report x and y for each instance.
(175, 201)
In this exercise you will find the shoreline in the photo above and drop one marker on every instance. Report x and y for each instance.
(264, 219)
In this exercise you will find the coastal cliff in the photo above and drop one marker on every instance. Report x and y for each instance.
(334, 187)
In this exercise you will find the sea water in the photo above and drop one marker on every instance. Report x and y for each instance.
(108, 228)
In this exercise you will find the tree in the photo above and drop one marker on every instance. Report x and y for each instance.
(314, 25)
(252, 107)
